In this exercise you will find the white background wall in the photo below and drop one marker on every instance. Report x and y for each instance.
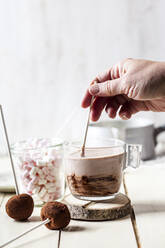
(51, 49)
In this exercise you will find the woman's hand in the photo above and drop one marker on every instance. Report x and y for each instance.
(129, 86)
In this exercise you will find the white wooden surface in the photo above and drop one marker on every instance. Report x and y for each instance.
(78, 233)
(146, 190)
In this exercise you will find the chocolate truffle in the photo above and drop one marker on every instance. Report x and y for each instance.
(58, 213)
(20, 207)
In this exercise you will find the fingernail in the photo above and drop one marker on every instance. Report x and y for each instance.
(94, 82)
(124, 117)
(109, 112)
(94, 89)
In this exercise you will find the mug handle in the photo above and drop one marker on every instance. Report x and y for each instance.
(133, 155)
(157, 131)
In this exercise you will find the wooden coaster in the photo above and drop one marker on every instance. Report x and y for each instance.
(105, 210)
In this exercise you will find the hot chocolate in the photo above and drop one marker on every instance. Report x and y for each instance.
(98, 174)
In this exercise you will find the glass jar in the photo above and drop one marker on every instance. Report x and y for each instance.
(98, 175)
(40, 169)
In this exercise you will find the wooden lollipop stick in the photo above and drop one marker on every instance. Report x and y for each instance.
(86, 130)
(9, 151)
(59, 239)
(133, 220)
(132, 215)
(24, 233)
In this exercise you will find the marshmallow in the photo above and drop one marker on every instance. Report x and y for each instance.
(31, 185)
(33, 171)
(36, 190)
(42, 192)
(41, 181)
(25, 174)
(49, 185)
(50, 178)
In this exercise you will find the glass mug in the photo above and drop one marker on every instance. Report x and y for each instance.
(98, 175)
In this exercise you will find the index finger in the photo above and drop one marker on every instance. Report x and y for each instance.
(88, 97)
(86, 101)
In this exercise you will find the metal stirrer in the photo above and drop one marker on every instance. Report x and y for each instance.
(86, 130)
(22, 234)
(9, 151)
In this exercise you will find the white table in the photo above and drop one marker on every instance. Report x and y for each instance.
(146, 188)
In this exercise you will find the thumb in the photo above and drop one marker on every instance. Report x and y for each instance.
(108, 88)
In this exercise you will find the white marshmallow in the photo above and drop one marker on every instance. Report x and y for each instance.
(31, 185)
(51, 190)
(45, 171)
(50, 178)
(33, 171)
(36, 190)
(42, 192)
(25, 174)
(49, 185)
(41, 181)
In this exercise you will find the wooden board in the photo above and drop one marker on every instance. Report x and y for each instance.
(104, 210)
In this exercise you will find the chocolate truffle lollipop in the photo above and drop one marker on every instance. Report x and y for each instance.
(56, 216)
(18, 207)
(57, 213)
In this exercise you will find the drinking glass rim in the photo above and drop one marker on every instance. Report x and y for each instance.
(59, 142)
(72, 143)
